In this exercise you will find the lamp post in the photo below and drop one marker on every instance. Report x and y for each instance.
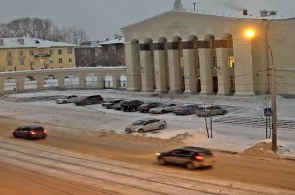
(251, 34)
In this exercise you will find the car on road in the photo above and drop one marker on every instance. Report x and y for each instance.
(163, 108)
(131, 105)
(67, 99)
(147, 124)
(110, 103)
(93, 99)
(186, 109)
(30, 132)
(210, 111)
(147, 106)
(191, 157)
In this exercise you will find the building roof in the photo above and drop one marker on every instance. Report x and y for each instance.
(114, 41)
(28, 42)
(91, 43)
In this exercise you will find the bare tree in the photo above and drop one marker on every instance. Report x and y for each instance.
(208, 101)
(117, 35)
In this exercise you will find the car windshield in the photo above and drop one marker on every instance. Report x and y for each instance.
(140, 122)
(110, 101)
(162, 106)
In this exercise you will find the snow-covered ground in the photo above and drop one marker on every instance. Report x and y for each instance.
(240, 129)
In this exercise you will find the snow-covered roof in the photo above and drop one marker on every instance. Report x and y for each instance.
(114, 41)
(91, 43)
(28, 42)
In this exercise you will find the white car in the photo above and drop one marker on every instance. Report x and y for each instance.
(67, 99)
(144, 125)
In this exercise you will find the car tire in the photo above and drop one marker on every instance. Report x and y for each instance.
(140, 131)
(28, 137)
(133, 109)
(161, 161)
(187, 113)
(190, 166)
(224, 112)
(64, 102)
(162, 127)
(44, 137)
(15, 136)
(163, 111)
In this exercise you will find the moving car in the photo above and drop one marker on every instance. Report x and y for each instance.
(186, 109)
(110, 103)
(131, 105)
(210, 111)
(191, 157)
(67, 99)
(93, 99)
(30, 132)
(147, 106)
(163, 108)
(147, 124)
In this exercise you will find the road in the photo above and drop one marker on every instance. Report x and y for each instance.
(272, 173)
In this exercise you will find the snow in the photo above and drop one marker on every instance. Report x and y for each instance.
(114, 41)
(236, 135)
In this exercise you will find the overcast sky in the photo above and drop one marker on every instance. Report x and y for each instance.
(102, 18)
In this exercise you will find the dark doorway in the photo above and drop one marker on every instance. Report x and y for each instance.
(215, 84)
(199, 85)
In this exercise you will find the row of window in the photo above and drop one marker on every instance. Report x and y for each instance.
(22, 62)
(41, 52)
(231, 62)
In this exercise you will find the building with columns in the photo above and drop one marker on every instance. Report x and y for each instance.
(183, 52)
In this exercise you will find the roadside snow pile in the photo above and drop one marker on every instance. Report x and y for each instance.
(262, 149)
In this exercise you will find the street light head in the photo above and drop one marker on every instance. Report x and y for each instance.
(249, 33)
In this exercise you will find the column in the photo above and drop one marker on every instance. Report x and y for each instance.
(174, 71)
(20, 84)
(116, 82)
(189, 70)
(160, 70)
(133, 70)
(82, 81)
(61, 81)
(40, 82)
(205, 71)
(223, 71)
(244, 83)
(147, 71)
(2, 86)
(100, 82)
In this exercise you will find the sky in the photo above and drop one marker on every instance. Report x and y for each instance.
(102, 18)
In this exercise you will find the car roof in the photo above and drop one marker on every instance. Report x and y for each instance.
(33, 126)
(195, 149)
(147, 119)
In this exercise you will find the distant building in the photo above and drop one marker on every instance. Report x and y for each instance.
(88, 54)
(25, 53)
(114, 52)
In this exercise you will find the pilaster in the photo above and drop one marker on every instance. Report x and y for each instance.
(147, 75)
(223, 71)
(190, 70)
(205, 71)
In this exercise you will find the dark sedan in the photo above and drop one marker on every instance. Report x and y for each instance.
(110, 103)
(147, 106)
(30, 132)
(117, 106)
(191, 157)
(93, 99)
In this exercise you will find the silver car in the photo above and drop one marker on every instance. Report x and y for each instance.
(210, 111)
(163, 108)
(144, 125)
(67, 99)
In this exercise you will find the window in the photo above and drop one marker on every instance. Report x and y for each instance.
(31, 53)
(232, 82)
(9, 53)
(70, 51)
(198, 62)
(214, 62)
(9, 63)
(21, 62)
(41, 52)
(21, 53)
(60, 60)
(51, 61)
(70, 60)
(50, 52)
(231, 63)
(59, 52)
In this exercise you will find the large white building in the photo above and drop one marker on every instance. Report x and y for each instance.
(187, 52)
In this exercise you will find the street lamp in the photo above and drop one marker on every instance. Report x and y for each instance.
(250, 34)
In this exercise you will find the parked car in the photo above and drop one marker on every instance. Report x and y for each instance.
(191, 157)
(111, 102)
(185, 109)
(117, 106)
(30, 132)
(144, 125)
(210, 111)
(163, 108)
(131, 105)
(67, 99)
(147, 106)
(93, 99)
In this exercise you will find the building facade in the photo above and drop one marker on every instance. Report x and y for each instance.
(187, 52)
(114, 52)
(19, 54)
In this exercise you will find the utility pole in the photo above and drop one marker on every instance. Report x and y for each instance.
(274, 108)
(194, 7)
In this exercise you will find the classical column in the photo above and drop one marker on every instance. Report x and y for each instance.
(116, 82)
(147, 77)
(174, 70)
(133, 70)
(223, 71)
(244, 83)
(40, 82)
(160, 70)
(61, 81)
(190, 70)
(100, 82)
(205, 71)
